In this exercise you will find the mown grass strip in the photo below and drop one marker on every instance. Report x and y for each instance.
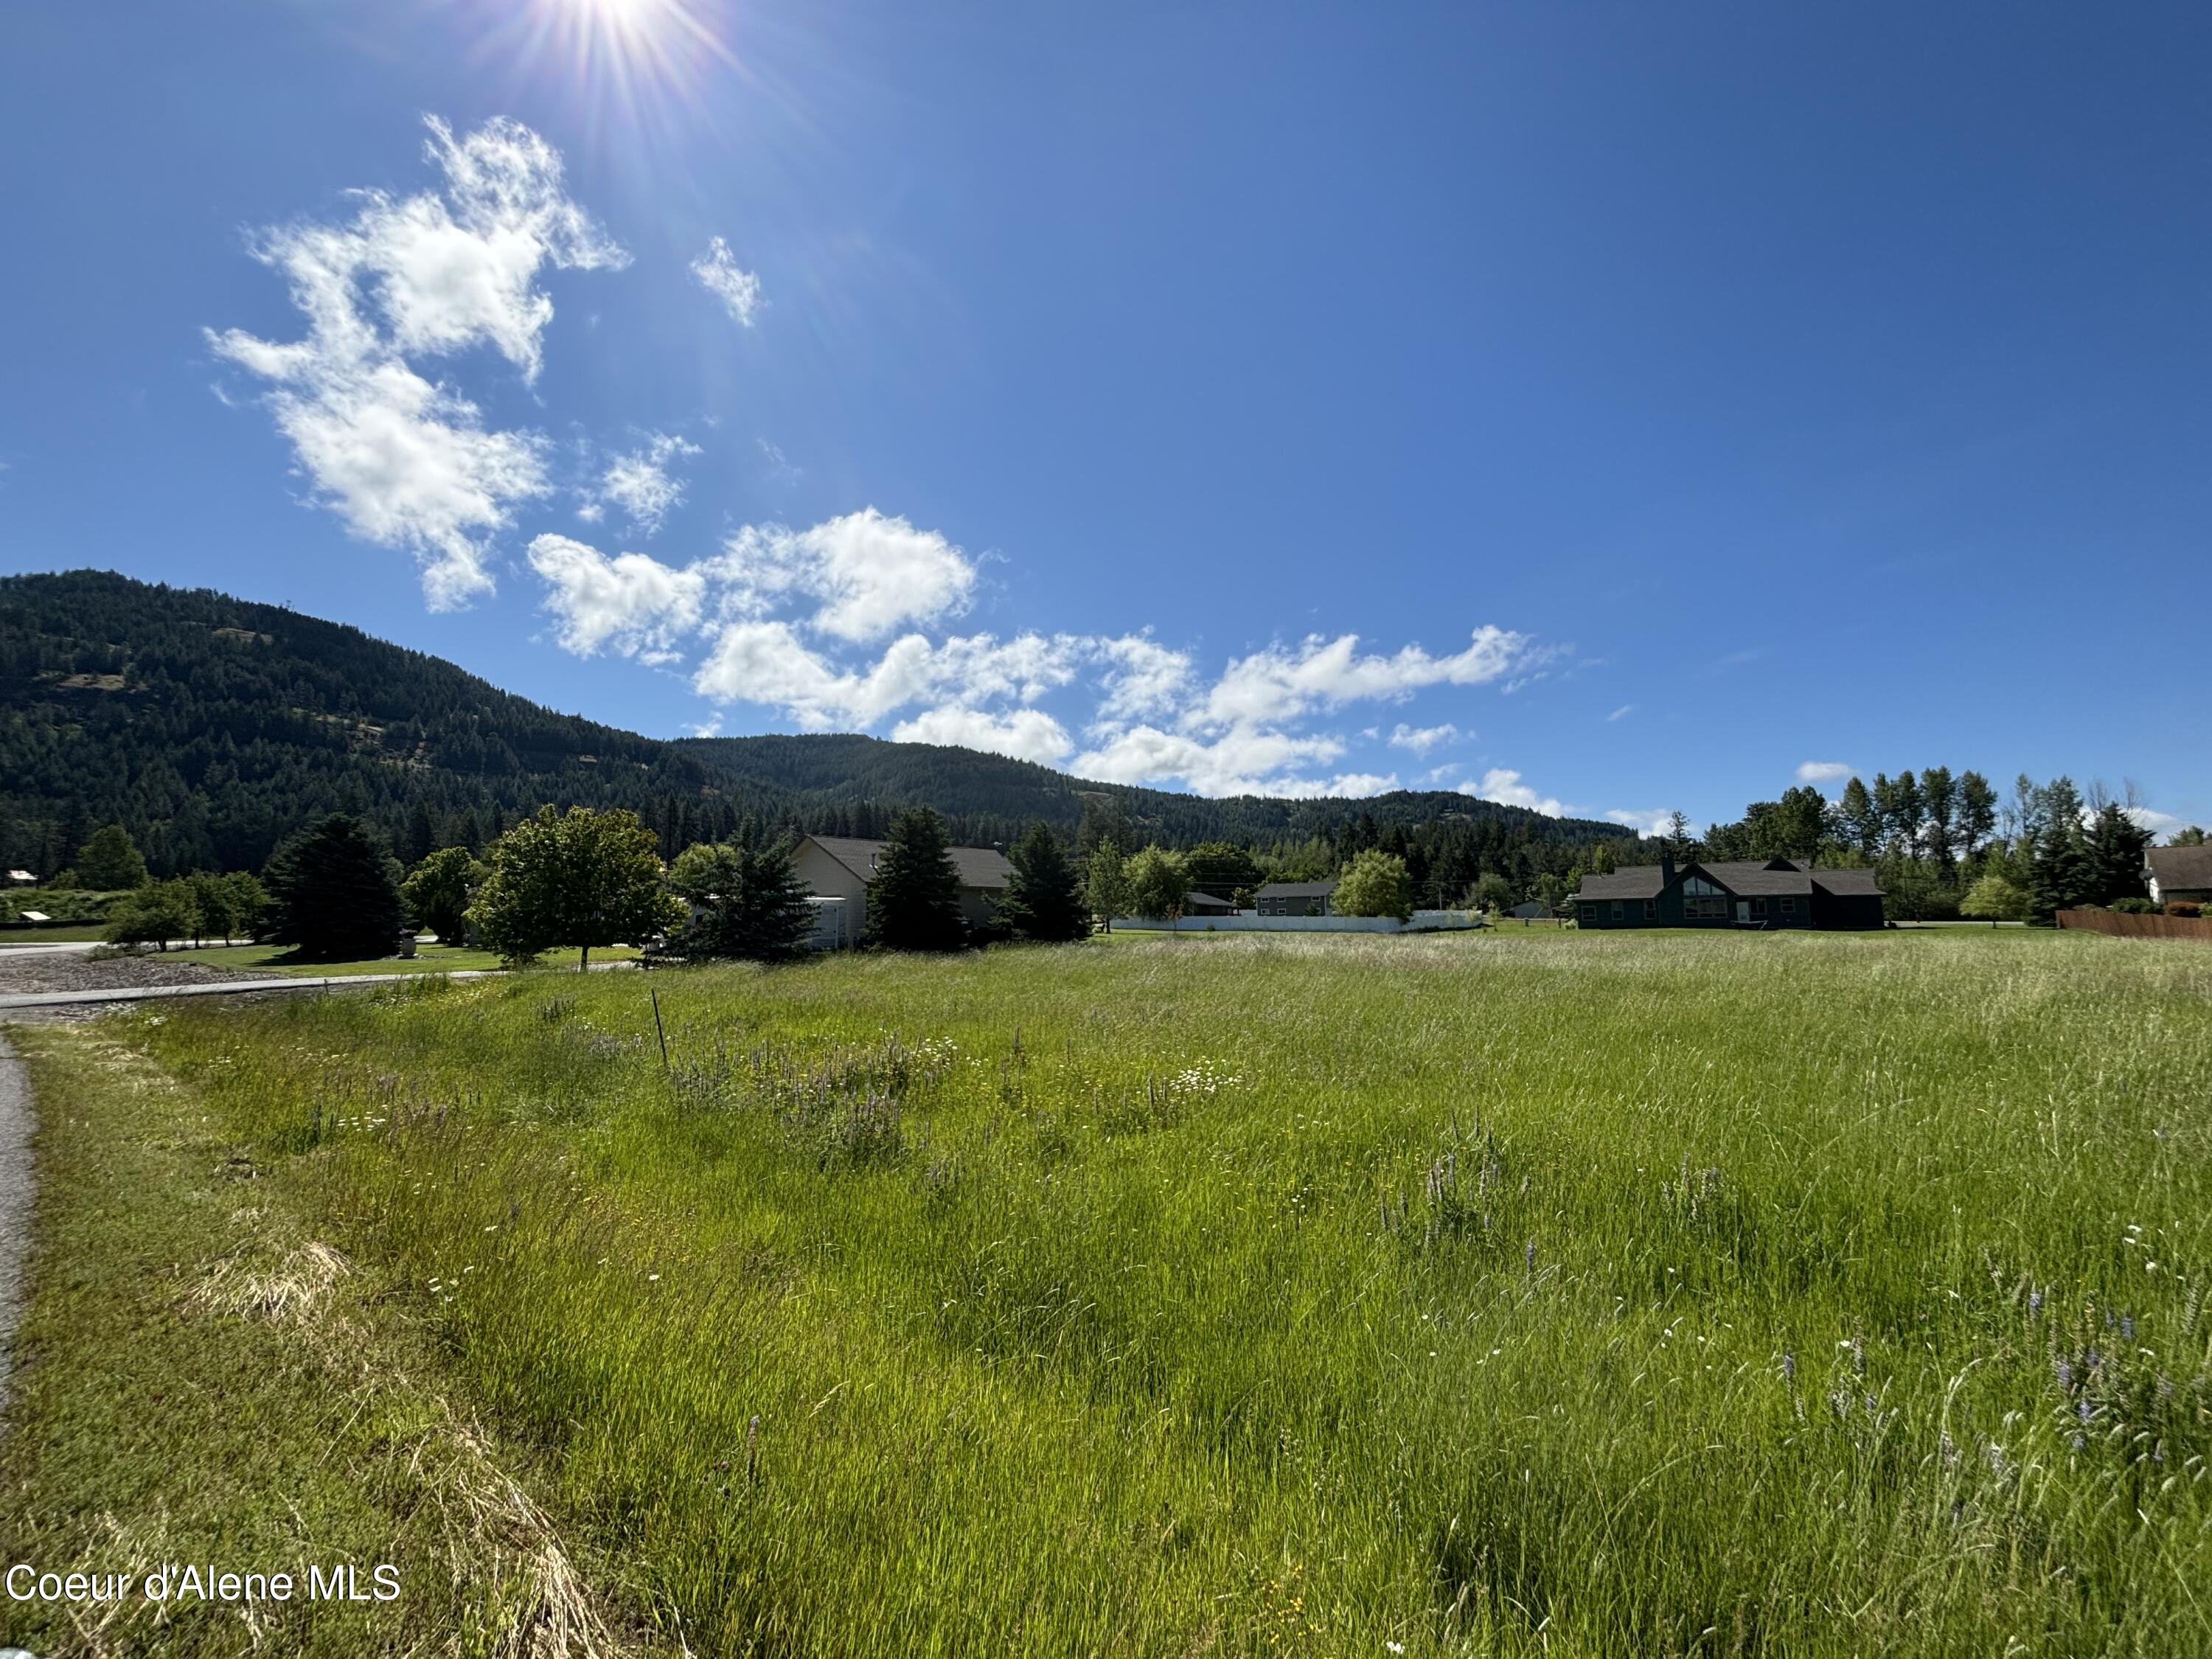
(204, 1379)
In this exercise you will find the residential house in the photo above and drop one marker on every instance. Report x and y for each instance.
(839, 867)
(1529, 910)
(2181, 875)
(1296, 898)
(1196, 903)
(1733, 893)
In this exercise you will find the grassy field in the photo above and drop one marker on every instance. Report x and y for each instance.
(1533, 1292)
(52, 935)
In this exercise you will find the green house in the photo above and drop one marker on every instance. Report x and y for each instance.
(1732, 893)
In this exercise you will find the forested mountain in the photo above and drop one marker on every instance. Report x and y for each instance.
(210, 726)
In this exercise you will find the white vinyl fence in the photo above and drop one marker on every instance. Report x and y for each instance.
(1244, 921)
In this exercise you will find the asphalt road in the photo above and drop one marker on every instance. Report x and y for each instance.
(14, 1199)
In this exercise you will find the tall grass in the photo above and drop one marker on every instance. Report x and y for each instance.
(1560, 1294)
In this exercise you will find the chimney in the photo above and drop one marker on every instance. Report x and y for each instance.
(1666, 868)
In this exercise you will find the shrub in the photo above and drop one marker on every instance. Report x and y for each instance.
(2183, 908)
(2135, 907)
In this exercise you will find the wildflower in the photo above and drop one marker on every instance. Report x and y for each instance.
(652, 1278)
(2034, 1304)
(2064, 1371)
(1858, 1356)
(1790, 1367)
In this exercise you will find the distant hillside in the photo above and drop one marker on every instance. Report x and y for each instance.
(210, 726)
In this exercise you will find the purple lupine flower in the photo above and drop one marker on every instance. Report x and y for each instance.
(2064, 1371)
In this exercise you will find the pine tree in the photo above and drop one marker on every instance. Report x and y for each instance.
(1041, 902)
(1861, 819)
(2060, 875)
(913, 902)
(747, 902)
(2116, 848)
(337, 892)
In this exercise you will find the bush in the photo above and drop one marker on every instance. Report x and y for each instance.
(2135, 907)
(2183, 908)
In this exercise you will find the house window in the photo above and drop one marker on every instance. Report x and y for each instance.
(1790, 907)
(1702, 901)
(1651, 909)
(1589, 913)
(1758, 907)
(1616, 909)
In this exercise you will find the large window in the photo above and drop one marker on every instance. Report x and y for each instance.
(1616, 909)
(1703, 902)
(1589, 913)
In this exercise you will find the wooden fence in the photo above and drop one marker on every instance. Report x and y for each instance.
(2124, 925)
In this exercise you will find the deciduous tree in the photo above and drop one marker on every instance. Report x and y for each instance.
(1106, 884)
(1158, 883)
(1374, 884)
(110, 861)
(437, 891)
(578, 879)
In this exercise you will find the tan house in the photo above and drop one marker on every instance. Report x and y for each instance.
(837, 869)
(2180, 874)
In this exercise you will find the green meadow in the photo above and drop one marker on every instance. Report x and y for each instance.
(1515, 1294)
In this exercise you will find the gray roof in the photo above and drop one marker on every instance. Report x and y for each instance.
(1298, 890)
(1194, 900)
(2185, 868)
(979, 867)
(1745, 878)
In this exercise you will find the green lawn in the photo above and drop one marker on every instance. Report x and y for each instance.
(1531, 1293)
(427, 959)
(52, 935)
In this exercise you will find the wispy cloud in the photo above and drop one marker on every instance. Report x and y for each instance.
(641, 484)
(1621, 712)
(718, 272)
(1422, 738)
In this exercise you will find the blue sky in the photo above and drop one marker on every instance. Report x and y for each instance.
(1612, 408)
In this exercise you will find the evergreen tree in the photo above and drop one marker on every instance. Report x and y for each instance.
(579, 878)
(1861, 819)
(1042, 901)
(336, 891)
(2060, 875)
(913, 902)
(1978, 814)
(110, 861)
(1939, 796)
(437, 891)
(2116, 847)
(747, 902)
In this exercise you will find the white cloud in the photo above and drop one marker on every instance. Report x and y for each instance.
(1279, 683)
(1421, 739)
(738, 290)
(1652, 822)
(767, 662)
(629, 604)
(1362, 783)
(1029, 734)
(1504, 785)
(405, 461)
(1242, 761)
(1824, 771)
(1146, 679)
(871, 574)
(2158, 823)
(641, 485)
(1625, 709)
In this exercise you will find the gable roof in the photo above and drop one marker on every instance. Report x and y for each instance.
(979, 867)
(2185, 868)
(1297, 889)
(1195, 900)
(1743, 877)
